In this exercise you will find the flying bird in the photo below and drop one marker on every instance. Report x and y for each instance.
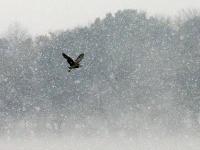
(73, 63)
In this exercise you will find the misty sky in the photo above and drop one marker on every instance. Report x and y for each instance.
(40, 16)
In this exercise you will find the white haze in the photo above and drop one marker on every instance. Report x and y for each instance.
(144, 142)
(138, 88)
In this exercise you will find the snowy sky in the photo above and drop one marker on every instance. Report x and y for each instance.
(40, 16)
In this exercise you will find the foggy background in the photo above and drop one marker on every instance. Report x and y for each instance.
(138, 87)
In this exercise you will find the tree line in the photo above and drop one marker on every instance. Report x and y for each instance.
(138, 71)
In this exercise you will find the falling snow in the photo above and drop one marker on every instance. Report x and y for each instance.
(138, 87)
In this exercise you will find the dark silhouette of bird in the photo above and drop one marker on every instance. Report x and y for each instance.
(73, 63)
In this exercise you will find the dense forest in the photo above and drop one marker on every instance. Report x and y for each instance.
(139, 73)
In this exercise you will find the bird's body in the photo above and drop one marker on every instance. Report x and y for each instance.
(73, 63)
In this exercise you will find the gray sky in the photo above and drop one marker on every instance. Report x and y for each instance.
(40, 16)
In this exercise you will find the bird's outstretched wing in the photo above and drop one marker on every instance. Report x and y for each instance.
(69, 59)
(79, 58)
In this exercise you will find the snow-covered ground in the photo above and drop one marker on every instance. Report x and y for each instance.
(102, 143)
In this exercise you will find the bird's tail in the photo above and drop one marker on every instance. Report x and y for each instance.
(69, 69)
